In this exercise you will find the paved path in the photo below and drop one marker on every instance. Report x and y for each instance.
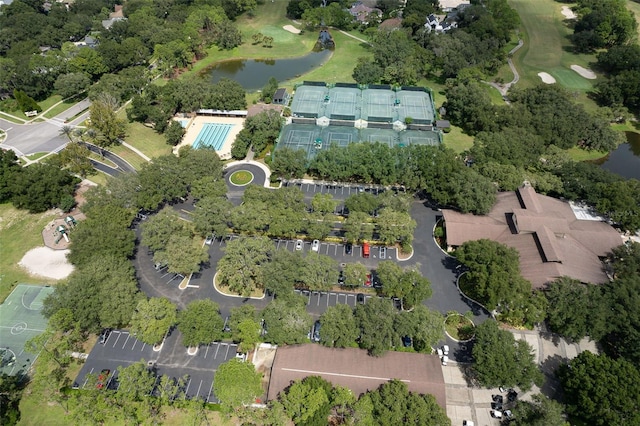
(504, 88)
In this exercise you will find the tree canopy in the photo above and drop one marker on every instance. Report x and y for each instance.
(200, 323)
(152, 319)
(237, 383)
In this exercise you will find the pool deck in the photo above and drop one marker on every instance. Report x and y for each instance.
(197, 123)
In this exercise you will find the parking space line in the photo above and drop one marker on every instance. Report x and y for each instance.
(210, 390)
(319, 297)
(118, 338)
(217, 348)
(144, 345)
(199, 387)
(164, 275)
(125, 342)
(226, 355)
(186, 390)
(207, 351)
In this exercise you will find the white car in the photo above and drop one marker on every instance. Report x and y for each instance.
(209, 240)
(299, 245)
(440, 353)
(445, 360)
(315, 246)
(496, 414)
(467, 423)
(445, 349)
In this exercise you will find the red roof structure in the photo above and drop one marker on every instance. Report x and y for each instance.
(551, 240)
(354, 369)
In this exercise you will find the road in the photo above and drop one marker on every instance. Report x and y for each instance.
(44, 136)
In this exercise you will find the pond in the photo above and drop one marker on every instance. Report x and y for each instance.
(253, 74)
(624, 160)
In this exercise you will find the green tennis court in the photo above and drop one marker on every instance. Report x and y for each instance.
(20, 320)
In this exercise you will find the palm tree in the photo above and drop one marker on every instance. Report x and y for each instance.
(67, 131)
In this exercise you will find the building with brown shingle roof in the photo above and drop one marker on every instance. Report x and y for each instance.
(551, 241)
(354, 369)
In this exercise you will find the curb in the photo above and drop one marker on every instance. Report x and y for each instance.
(468, 298)
(233, 295)
(264, 168)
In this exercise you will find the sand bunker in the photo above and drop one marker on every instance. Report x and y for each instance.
(568, 13)
(584, 72)
(291, 29)
(48, 263)
(546, 78)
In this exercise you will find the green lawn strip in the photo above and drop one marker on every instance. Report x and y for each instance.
(36, 155)
(579, 154)
(495, 95)
(20, 231)
(98, 178)
(58, 109)
(145, 139)
(102, 160)
(49, 102)
(128, 155)
(456, 140)
(547, 47)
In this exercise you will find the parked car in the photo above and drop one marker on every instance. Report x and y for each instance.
(445, 349)
(315, 246)
(348, 249)
(407, 341)
(512, 395)
(496, 414)
(299, 245)
(341, 278)
(497, 398)
(316, 331)
(209, 240)
(508, 414)
(360, 298)
(445, 360)
(104, 336)
(103, 377)
(467, 423)
(496, 406)
(383, 253)
(367, 283)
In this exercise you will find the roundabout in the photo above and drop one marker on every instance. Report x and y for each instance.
(241, 178)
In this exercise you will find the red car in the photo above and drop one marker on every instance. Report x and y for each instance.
(368, 282)
(102, 378)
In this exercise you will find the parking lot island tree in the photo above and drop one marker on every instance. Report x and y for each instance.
(423, 325)
(152, 319)
(210, 186)
(407, 285)
(248, 335)
(320, 272)
(159, 228)
(183, 255)
(339, 328)
(289, 163)
(212, 216)
(394, 227)
(355, 274)
(241, 267)
(375, 318)
(319, 226)
(237, 384)
(358, 227)
(286, 321)
(200, 323)
(323, 203)
(501, 360)
(136, 381)
(283, 272)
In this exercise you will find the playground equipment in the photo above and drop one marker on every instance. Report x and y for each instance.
(61, 232)
(70, 221)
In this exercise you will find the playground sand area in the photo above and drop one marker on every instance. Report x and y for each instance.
(568, 13)
(291, 29)
(46, 262)
(584, 72)
(546, 78)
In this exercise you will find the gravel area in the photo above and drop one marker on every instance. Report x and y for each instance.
(46, 262)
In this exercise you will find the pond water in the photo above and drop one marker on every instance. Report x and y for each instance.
(253, 74)
(624, 160)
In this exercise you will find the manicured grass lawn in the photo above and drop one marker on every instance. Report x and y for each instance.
(49, 102)
(37, 155)
(547, 48)
(241, 177)
(62, 107)
(128, 155)
(99, 178)
(20, 231)
(103, 160)
(456, 140)
(459, 327)
(579, 154)
(145, 139)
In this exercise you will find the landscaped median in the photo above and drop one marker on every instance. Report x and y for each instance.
(459, 327)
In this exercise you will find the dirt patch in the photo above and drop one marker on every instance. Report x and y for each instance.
(47, 263)
(546, 78)
(568, 13)
(291, 29)
(584, 72)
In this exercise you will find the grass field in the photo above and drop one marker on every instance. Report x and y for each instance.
(145, 139)
(456, 140)
(635, 8)
(20, 231)
(547, 47)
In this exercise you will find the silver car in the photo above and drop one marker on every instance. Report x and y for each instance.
(299, 245)
(383, 252)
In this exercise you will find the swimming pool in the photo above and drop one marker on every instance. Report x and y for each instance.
(212, 135)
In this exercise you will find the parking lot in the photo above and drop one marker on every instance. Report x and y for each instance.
(166, 276)
(123, 349)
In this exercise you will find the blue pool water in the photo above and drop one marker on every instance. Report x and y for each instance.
(212, 135)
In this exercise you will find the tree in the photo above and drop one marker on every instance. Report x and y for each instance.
(183, 255)
(40, 187)
(283, 272)
(241, 266)
(320, 272)
(355, 274)
(339, 327)
(376, 325)
(209, 187)
(367, 71)
(9, 170)
(357, 227)
(588, 381)
(307, 399)
(393, 404)
(395, 227)
(571, 307)
(236, 384)
(408, 286)
(541, 411)
(603, 24)
(71, 84)
(248, 334)
(240, 314)
(152, 319)
(288, 163)
(212, 216)
(323, 203)
(158, 230)
(500, 360)
(286, 321)
(424, 326)
(174, 133)
(135, 381)
(75, 158)
(270, 88)
(319, 226)
(10, 394)
(200, 323)
(108, 126)
(362, 202)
